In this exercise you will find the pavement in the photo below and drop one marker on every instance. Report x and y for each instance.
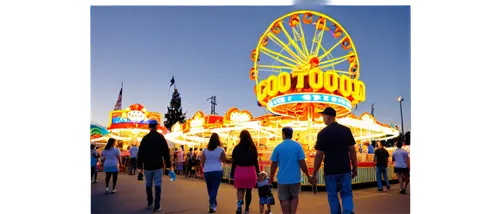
(189, 195)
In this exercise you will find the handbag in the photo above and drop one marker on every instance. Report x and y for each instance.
(140, 177)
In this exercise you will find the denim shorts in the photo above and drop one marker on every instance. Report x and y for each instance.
(265, 200)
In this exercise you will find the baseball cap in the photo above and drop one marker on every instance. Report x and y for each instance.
(329, 111)
(153, 122)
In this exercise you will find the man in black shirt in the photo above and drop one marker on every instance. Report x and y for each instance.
(153, 153)
(381, 161)
(335, 143)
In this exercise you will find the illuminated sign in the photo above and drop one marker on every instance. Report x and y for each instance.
(310, 98)
(318, 81)
(136, 116)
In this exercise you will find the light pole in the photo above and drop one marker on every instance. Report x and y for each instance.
(400, 100)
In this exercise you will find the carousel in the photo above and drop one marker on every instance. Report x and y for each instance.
(131, 124)
(266, 132)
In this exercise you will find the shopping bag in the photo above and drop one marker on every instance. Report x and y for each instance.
(140, 177)
(172, 175)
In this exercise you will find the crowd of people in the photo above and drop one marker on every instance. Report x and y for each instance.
(335, 147)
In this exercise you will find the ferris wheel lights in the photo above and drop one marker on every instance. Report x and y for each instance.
(306, 66)
(346, 43)
(252, 75)
(351, 58)
(314, 62)
(307, 19)
(353, 69)
(294, 20)
(276, 28)
(253, 56)
(265, 41)
(320, 24)
(337, 33)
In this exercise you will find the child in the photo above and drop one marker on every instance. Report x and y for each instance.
(265, 192)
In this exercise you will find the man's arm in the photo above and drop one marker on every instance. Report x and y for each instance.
(302, 162)
(166, 153)
(274, 166)
(303, 166)
(318, 159)
(387, 158)
(352, 153)
(140, 155)
(320, 153)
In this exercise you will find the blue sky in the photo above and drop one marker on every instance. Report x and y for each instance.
(207, 49)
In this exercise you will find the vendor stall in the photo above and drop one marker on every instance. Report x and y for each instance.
(131, 124)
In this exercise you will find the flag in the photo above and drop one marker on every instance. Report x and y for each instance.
(172, 81)
(118, 105)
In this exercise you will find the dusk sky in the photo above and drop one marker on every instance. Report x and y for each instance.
(208, 49)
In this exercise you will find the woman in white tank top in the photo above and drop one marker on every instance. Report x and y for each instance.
(211, 161)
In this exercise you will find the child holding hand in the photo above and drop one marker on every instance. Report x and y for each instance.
(265, 193)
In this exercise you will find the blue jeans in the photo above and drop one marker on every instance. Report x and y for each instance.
(156, 177)
(345, 181)
(382, 171)
(213, 180)
(153, 175)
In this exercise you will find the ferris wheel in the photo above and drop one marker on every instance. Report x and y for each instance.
(304, 40)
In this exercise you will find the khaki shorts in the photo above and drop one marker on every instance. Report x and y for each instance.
(288, 192)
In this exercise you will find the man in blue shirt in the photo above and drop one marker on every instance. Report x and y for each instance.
(133, 159)
(290, 158)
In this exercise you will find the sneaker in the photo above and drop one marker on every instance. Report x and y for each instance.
(114, 191)
(157, 209)
(388, 187)
(210, 209)
(247, 210)
(171, 179)
(380, 190)
(238, 211)
(149, 206)
(107, 191)
(214, 207)
(403, 191)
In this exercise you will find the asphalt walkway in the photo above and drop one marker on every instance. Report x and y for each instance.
(189, 195)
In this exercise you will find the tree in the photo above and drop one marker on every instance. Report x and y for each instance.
(174, 111)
